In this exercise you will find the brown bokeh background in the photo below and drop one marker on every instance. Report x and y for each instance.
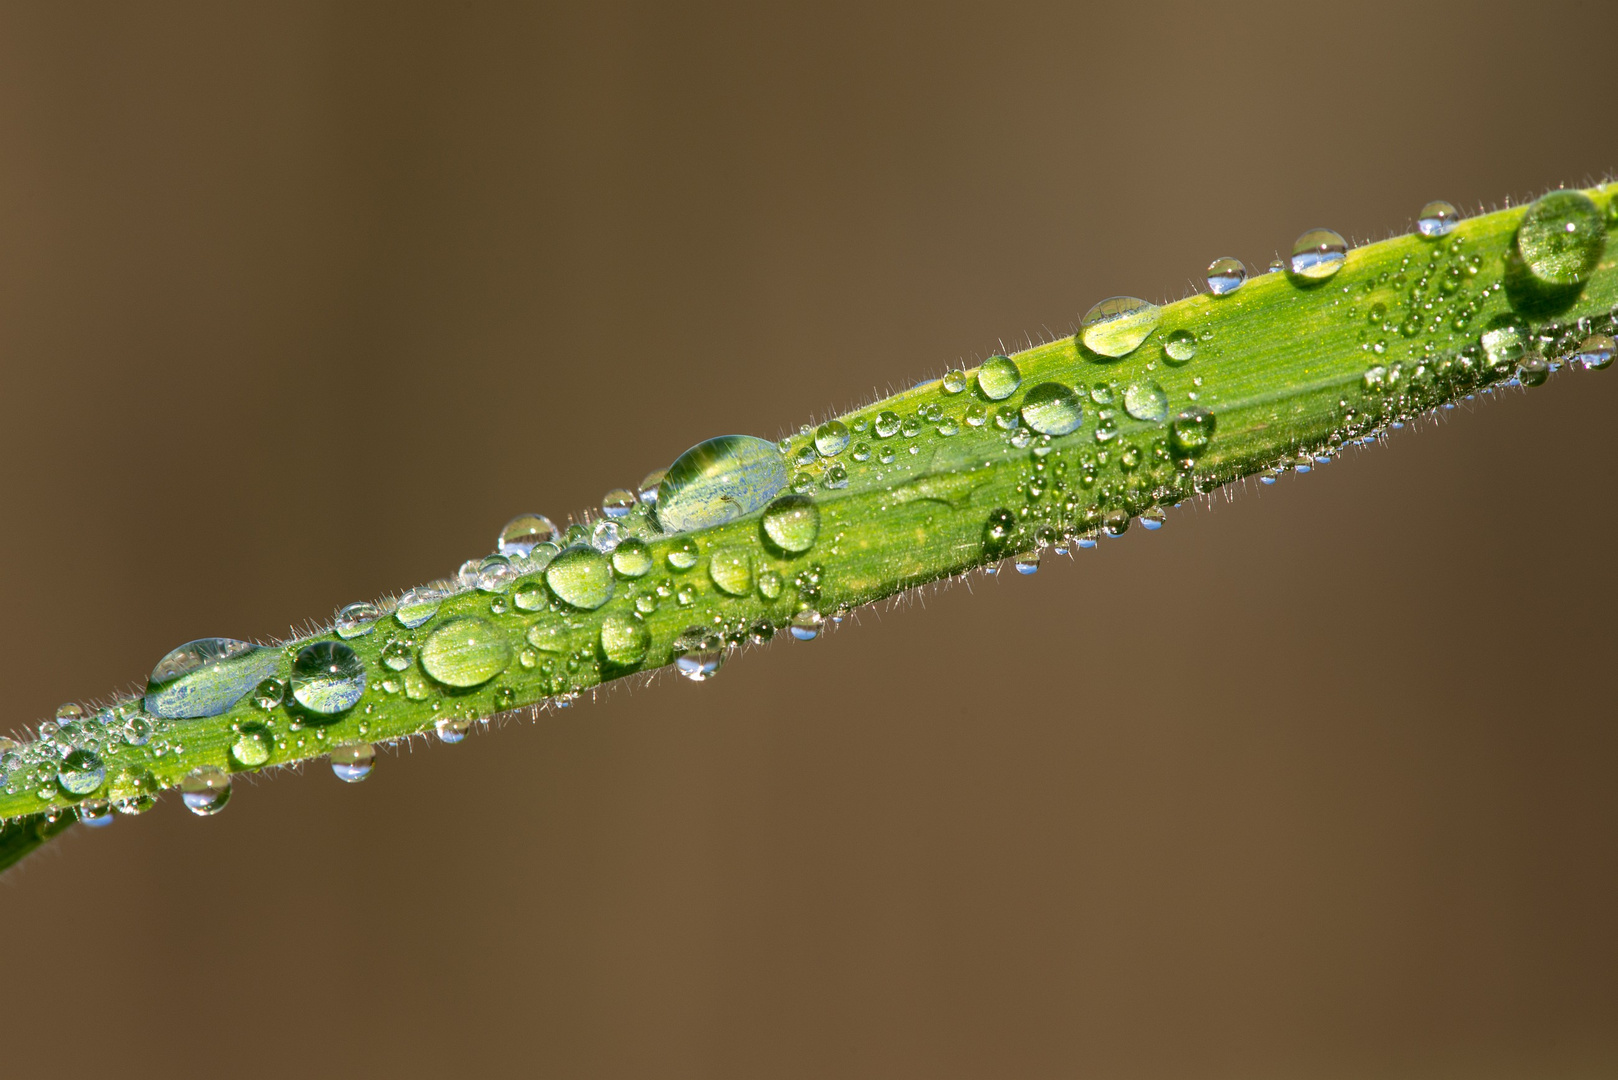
(299, 304)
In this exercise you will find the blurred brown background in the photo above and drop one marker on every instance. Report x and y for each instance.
(299, 304)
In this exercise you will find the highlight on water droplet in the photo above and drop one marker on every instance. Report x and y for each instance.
(1533, 370)
(1145, 400)
(1226, 275)
(791, 524)
(465, 652)
(698, 654)
(356, 620)
(684, 554)
(205, 790)
(581, 576)
(624, 640)
(998, 378)
(1117, 326)
(1437, 218)
(451, 729)
(831, 438)
(1561, 238)
(352, 762)
(1052, 409)
(418, 605)
(207, 676)
(327, 677)
(1318, 254)
(718, 481)
(524, 533)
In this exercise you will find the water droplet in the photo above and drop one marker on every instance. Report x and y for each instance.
(684, 554)
(718, 481)
(356, 620)
(524, 533)
(831, 438)
(618, 503)
(495, 574)
(1561, 238)
(1052, 409)
(1226, 275)
(1153, 518)
(1180, 346)
(769, 585)
(1028, 563)
(606, 535)
(632, 558)
(451, 729)
(998, 532)
(531, 593)
(96, 813)
(792, 523)
(1116, 326)
(1532, 370)
(70, 713)
(624, 641)
(353, 762)
(1191, 431)
(465, 652)
(887, 424)
(581, 576)
(806, 624)
(698, 654)
(1597, 350)
(327, 678)
(467, 575)
(207, 676)
(1318, 254)
(1146, 400)
(732, 571)
(81, 772)
(418, 605)
(954, 381)
(1504, 344)
(205, 790)
(998, 378)
(252, 747)
(1437, 219)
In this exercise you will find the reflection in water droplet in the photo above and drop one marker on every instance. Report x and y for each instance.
(1028, 563)
(1180, 346)
(618, 503)
(719, 480)
(806, 625)
(205, 790)
(632, 558)
(495, 574)
(624, 640)
(1146, 400)
(356, 620)
(831, 438)
(954, 381)
(530, 593)
(451, 729)
(1116, 326)
(1318, 254)
(1561, 238)
(649, 486)
(81, 772)
(581, 576)
(96, 813)
(207, 676)
(418, 605)
(698, 654)
(999, 378)
(1052, 409)
(1152, 519)
(792, 523)
(327, 677)
(353, 763)
(1596, 351)
(1437, 218)
(523, 533)
(465, 652)
(1226, 275)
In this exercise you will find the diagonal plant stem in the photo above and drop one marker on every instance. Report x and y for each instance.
(1047, 449)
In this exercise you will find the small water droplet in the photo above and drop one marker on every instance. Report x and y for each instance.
(1117, 325)
(207, 676)
(698, 654)
(954, 381)
(606, 535)
(649, 485)
(1191, 431)
(887, 424)
(684, 554)
(806, 624)
(523, 533)
(465, 652)
(1532, 370)
(1561, 238)
(999, 378)
(1145, 400)
(718, 481)
(1437, 218)
(252, 747)
(1028, 563)
(732, 571)
(205, 790)
(81, 772)
(1226, 275)
(618, 503)
(831, 438)
(1318, 254)
(632, 558)
(769, 585)
(1052, 409)
(791, 524)
(451, 729)
(624, 640)
(70, 713)
(467, 575)
(495, 574)
(353, 762)
(1180, 346)
(418, 605)
(581, 576)
(356, 620)
(327, 677)
(1596, 351)
(96, 813)
(1152, 519)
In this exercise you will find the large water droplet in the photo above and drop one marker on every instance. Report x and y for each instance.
(831, 438)
(1561, 238)
(1116, 326)
(1226, 275)
(205, 790)
(353, 762)
(581, 576)
(998, 378)
(732, 571)
(698, 654)
(1145, 400)
(327, 678)
(207, 676)
(523, 533)
(81, 772)
(1437, 218)
(792, 524)
(1318, 254)
(624, 640)
(1052, 409)
(465, 652)
(718, 481)
(418, 605)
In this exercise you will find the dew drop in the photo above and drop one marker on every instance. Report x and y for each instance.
(205, 790)
(356, 620)
(327, 677)
(684, 554)
(524, 533)
(624, 641)
(495, 574)
(732, 571)
(618, 503)
(1152, 519)
(887, 424)
(531, 593)
(999, 378)
(769, 585)
(353, 762)
(632, 558)
(718, 481)
(1181, 346)
(954, 381)
(1052, 409)
(451, 729)
(806, 624)
(792, 524)
(251, 748)
(1028, 563)
(1532, 370)
(96, 813)
(581, 576)
(1117, 326)
(698, 654)
(1437, 218)
(1596, 351)
(465, 652)
(81, 772)
(418, 605)
(1561, 238)
(1191, 431)
(1318, 254)
(1226, 275)
(207, 676)
(831, 438)
(649, 485)
(1146, 400)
